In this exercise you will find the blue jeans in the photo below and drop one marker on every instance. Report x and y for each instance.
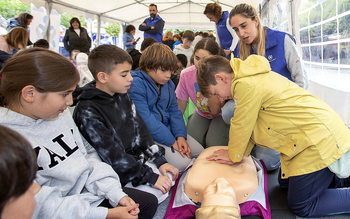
(270, 157)
(227, 111)
(315, 194)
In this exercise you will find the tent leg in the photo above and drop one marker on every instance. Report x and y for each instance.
(98, 37)
(46, 34)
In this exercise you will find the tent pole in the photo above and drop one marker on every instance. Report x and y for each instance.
(46, 33)
(98, 37)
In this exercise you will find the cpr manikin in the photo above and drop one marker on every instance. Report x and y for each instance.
(220, 190)
(219, 201)
(242, 176)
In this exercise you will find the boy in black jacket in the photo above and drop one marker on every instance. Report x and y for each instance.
(107, 118)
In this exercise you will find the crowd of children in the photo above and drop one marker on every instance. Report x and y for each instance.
(126, 143)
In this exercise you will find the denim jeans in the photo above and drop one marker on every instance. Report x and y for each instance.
(227, 111)
(270, 157)
(316, 194)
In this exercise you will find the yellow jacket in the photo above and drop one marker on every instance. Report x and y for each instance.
(274, 112)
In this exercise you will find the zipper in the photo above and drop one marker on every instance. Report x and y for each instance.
(169, 97)
(159, 93)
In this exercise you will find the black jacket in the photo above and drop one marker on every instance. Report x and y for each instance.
(4, 56)
(117, 132)
(72, 41)
(135, 55)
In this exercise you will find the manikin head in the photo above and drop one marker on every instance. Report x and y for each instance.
(219, 201)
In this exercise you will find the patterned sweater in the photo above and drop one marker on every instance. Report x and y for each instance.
(117, 132)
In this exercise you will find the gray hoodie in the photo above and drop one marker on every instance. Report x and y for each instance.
(72, 177)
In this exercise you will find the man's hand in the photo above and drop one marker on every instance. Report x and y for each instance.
(143, 24)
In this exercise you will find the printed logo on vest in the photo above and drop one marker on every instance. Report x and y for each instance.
(270, 58)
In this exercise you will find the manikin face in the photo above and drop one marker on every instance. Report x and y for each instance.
(212, 18)
(246, 28)
(23, 206)
(75, 25)
(119, 80)
(160, 76)
(153, 11)
(223, 87)
(49, 105)
(200, 54)
(219, 193)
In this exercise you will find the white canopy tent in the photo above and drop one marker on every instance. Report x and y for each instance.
(183, 14)
(180, 14)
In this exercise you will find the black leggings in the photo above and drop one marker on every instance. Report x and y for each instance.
(148, 203)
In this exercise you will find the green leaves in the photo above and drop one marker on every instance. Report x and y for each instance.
(10, 8)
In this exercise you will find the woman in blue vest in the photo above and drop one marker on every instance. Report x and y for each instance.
(278, 47)
(226, 36)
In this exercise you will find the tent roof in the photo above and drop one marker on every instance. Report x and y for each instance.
(186, 14)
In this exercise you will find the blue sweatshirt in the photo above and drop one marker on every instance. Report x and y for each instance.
(158, 108)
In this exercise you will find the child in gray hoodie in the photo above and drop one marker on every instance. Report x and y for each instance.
(74, 182)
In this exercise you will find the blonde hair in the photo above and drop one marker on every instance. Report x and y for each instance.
(168, 35)
(249, 12)
(17, 38)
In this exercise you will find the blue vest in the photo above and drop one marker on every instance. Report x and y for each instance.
(274, 52)
(225, 36)
(158, 36)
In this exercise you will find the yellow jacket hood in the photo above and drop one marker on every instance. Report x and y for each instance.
(254, 64)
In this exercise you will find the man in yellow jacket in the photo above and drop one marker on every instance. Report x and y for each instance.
(274, 112)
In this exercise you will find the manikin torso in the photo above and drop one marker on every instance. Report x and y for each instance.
(242, 176)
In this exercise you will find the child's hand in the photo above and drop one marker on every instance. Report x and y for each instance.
(176, 147)
(220, 156)
(126, 201)
(169, 168)
(183, 146)
(129, 212)
(163, 184)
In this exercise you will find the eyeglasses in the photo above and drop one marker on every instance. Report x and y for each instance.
(188, 42)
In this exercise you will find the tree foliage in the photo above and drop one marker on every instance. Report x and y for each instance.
(10, 8)
(112, 29)
(65, 18)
